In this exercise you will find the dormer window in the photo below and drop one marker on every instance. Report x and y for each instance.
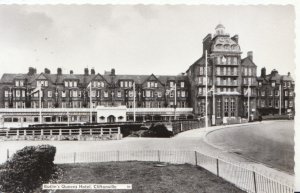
(71, 83)
(98, 84)
(42, 83)
(125, 83)
(151, 84)
(172, 84)
(19, 83)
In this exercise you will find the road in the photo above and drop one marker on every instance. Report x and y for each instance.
(271, 143)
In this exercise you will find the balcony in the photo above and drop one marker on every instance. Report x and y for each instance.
(164, 111)
(231, 83)
(227, 74)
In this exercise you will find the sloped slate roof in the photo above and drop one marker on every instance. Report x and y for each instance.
(58, 79)
(247, 62)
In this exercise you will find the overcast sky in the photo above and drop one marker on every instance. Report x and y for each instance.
(138, 39)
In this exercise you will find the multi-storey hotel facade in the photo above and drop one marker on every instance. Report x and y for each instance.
(93, 97)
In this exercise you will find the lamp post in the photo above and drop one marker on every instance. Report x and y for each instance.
(212, 90)
(280, 99)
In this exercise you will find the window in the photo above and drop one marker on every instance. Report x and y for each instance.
(288, 84)
(276, 103)
(182, 84)
(66, 84)
(263, 103)
(63, 94)
(42, 83)
(201, 70)
(75, 93)
(119, 94)
(286, 93)
(93, 93)
(105, 94)
(235, 61)
(291, 104)
(148, 93)
(18, 93)
(270, 103)
(232, 106)
(273, 84)
(126, 84)
(200, 91)
(277, 92)
(183, 93)
(259, 83)
(121, 84)
(218, 107)
(246, 71)
(226, 108)
(286, 103)
(159, 94)
(130, 93)
(49, 94)
(17, 83)
(75, 83)
(291, 93)
(6, 93)
(270, 93)
(171, 84)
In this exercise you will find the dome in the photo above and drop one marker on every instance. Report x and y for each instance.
(220, 29)
(220, 26)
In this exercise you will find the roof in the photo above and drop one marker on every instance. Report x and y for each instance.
(219, 26)
(247, 62)
(85, 79)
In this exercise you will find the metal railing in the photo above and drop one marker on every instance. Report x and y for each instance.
(241, 175)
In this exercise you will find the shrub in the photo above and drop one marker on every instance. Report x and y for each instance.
(157, 130)
(28, 169)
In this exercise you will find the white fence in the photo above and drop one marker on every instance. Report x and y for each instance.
(240, 175)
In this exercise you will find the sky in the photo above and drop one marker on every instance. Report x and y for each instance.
(139, 39)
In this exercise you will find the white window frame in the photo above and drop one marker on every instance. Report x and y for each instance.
(49, 94)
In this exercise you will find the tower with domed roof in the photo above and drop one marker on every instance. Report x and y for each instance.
(226, 76)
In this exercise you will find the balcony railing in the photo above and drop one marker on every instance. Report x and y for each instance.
(231, 83)
(227, 74)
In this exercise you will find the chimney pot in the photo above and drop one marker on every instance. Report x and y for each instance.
(71, 71)
(92, 71)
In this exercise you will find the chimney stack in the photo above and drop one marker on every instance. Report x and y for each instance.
(86, 71)
(113, 72)
(93, 71)
(59, 71)
(250, 55)
(47, 71)
(263, 72)
(71, 71)
(289, 74)
(31, 71)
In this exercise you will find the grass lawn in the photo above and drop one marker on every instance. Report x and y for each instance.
(271, 143)
(145, 177)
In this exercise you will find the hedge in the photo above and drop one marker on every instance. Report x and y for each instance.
(28, 169)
